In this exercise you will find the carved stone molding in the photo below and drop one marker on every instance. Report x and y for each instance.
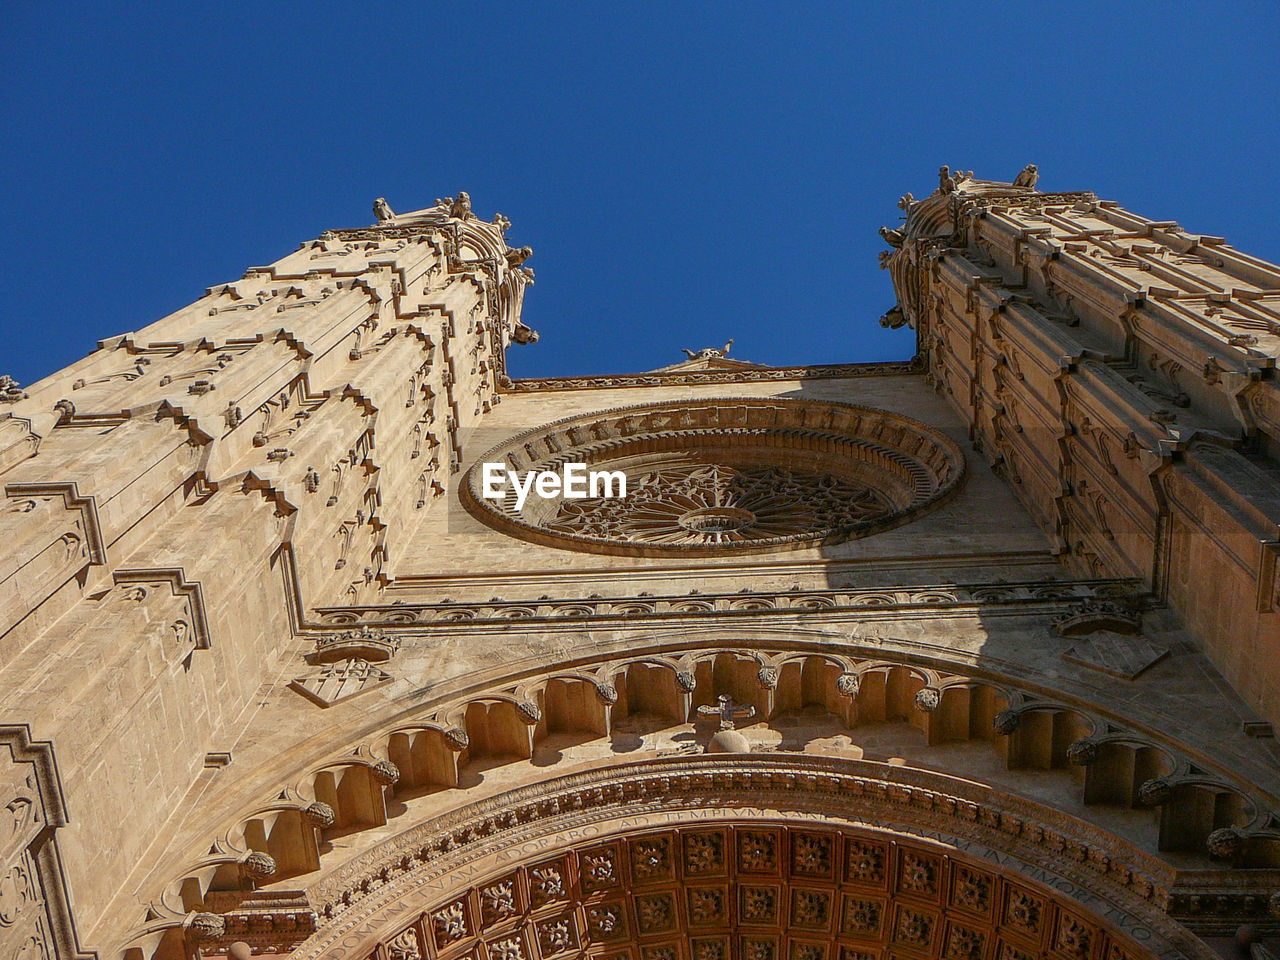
(583, 832)
(726, 475)
(461, 616)
(36, 919)
(693, 377)
(176, 579)
(70, 494)
(753, 889)
(502, 722)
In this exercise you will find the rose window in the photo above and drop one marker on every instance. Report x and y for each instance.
(718, 504)
(724, 475)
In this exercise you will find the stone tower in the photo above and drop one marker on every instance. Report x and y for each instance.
(971, 657)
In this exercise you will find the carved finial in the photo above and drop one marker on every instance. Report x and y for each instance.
(1225, 843)
(501, 222)
(848, 685)
(10, 390)
(382, 210)
(1005, 722)
(1156, 792)
(893, 318)
(1028, 177)
(206, 926)
(457, 738)
(905, 202)
(259, 865)
(1082, 752)
(927, 699)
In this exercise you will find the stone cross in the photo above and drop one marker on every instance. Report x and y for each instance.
(727, 711)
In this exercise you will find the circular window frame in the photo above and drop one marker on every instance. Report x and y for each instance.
(919, 467)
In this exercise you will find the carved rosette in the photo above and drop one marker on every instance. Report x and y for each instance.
(789, 885)
(709, 476)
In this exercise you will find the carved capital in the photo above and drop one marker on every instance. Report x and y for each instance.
(1156, 792)
(1005, 722)
(1083, 752)
(848, 685)
(319, 815)
(928, 699)
(258, 865)
(1225, 844)
(528, 712)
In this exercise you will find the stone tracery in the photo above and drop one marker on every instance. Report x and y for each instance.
(715, 504)
(742, 474)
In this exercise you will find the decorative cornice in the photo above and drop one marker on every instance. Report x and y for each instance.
(659, 378)
(44, 851)
(1100, 870)
(448, 615)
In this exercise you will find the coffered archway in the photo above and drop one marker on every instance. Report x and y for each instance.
(754, 860)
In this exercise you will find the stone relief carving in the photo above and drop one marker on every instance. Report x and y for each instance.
(717, 476)
(722, 504)
(794, 911)
(334, 682)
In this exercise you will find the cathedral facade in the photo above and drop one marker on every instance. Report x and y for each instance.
(969, 657)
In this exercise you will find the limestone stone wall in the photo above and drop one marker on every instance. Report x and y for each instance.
(260, 655)
(169, 498)
(1118, 372)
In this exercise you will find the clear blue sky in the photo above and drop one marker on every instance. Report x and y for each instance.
(686, 172)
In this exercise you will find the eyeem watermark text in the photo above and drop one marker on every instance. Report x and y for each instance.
(574, 482)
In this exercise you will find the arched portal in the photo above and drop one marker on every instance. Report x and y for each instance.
(757, 859)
